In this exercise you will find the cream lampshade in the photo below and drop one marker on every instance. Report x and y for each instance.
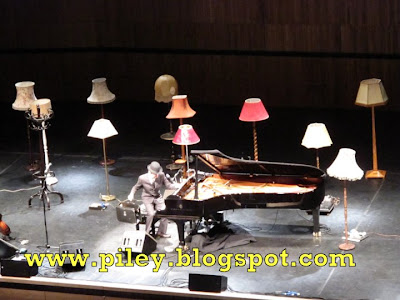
(25, 95)
(345, 168)
(371, 93)
(100, 92)
(316, 136)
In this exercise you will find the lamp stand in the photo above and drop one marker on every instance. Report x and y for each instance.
(109, 161)
(346, 245)
(44, 172)
(255, 141)
(374, 173)
(184, 158)
(33, 164)
(169, 136)
(317, 157)
(107, 197)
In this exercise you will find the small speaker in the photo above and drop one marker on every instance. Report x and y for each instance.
(6, 249)
(71, 248)
(17, 267)
(207, 283)
(139, 241)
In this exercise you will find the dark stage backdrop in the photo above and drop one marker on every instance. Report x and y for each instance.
(290, 53)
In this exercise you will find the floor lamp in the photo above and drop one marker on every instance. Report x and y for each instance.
(39, 116)
(186, 136)
(180, 109)
(345, 168)
(103, 129)
(25, 97)
(316, 136)
(165, 88)
(371, 93)
(101, 95)
(253, 110)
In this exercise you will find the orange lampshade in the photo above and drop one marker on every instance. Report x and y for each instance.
(180, 108)
(186, 135)
(253, 110)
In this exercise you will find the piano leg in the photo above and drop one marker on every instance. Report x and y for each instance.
(181, 231)
(315, 214)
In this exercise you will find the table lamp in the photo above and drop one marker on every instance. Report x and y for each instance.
(345, 168)
(25, 97)
(316, 136)
(186, 136)
(371, 93)
(103, 129)
(253, 110)
(180, 109)
(101, 95)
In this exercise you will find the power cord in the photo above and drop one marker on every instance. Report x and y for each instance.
(20, 190)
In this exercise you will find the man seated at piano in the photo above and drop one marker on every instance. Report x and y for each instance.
(151, 183)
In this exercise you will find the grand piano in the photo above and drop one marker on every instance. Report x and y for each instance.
(237, 183)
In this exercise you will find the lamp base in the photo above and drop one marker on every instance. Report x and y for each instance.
(375, 174)
(109, 162)
(168, 136)
(108, 197)
(173, 166)
(347, 246)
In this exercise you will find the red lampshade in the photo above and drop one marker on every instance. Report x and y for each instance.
(253, 110)
(186, 136)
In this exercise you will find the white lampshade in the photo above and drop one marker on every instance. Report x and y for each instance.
(102, 129)
(316, 136)
(345, 166)
(371, 93)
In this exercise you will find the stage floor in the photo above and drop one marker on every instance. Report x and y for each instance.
(373, 207)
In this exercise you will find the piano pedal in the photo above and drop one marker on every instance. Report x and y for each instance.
(317, 234)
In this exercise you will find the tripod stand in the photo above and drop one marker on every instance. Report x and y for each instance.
(41, 123)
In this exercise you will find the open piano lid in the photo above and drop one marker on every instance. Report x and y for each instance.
(224, 164)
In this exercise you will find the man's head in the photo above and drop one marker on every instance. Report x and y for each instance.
(154, 168)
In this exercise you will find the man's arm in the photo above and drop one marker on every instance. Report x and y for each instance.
(134, 189)
(169, 185)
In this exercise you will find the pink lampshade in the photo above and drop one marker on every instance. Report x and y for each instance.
(186, 135)
(253, 110)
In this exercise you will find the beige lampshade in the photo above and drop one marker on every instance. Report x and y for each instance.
(165, 88)
(44, 106)
(102, 129)
(100, 92)
(316, 136)
(371, 93)
(25, 95)
(345, 166)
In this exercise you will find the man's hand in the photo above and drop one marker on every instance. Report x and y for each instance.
(130, 197)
